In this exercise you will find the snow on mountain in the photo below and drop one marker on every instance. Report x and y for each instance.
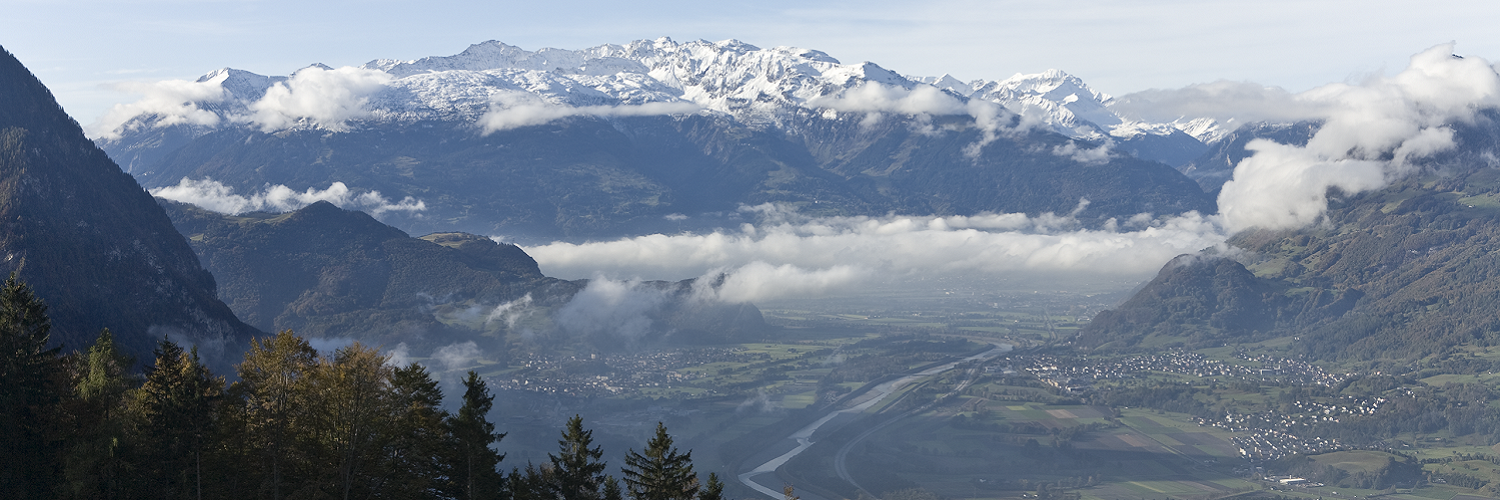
(1069, 106)
(1207, 130)
(760, 87)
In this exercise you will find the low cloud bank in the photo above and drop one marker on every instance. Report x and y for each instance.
(213, 195)
(519, 109)
(786, 255)
(612, 307)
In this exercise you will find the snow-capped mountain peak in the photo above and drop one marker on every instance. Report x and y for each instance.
(760, 87)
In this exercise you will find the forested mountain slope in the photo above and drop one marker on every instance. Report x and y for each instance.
(1404, 272)
(91, 242)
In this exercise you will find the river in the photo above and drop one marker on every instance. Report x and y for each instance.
(875, 395)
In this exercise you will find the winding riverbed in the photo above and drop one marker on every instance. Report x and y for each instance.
(875, 395)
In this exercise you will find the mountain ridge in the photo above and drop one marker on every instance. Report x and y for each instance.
(656, 136)
(91, 242)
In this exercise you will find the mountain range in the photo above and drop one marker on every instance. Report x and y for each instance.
(656, 136)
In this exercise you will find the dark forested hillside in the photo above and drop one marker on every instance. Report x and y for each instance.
(327, 272)
(1405, 272)
(94, 245)
(1197, 298)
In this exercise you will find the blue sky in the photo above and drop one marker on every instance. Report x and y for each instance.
(82, 48)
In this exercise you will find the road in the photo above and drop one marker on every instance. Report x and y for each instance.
(874, 396)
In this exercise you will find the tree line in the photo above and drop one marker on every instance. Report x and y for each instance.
(296, 425)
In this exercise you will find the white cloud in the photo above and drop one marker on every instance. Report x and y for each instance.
(1371, 132)
(613, 307)
(173, 102)
(787, 255)
(399, 357)
(327, 346)
(1093, 156)
(317, 97)
(213, 195)
(458, 355)
(510, 110)
(877, 98)
(759, 281)
(511, 312)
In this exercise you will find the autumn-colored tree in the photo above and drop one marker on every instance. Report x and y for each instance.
(349, 418)
(271, 382)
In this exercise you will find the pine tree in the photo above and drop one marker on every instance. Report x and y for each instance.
(577, 467)
(612, 489)
(660, 473)
(475, 470)
(713, 489)
(533, 483)
(175, 417)
(413, 456)
(31, 390)
(93, 465)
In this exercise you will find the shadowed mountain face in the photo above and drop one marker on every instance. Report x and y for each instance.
(1408, 271)
(91, 242)
(331, 273)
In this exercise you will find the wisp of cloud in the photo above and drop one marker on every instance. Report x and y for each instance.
(519, 109)
(215, 196)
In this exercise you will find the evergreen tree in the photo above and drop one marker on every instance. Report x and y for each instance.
(713, 489)
(577, 467)
(612, 489)
(533, 483)
(174, 409)
(476, 474)
(414, 466)
(93, 465)
(660, 473)
(32, 384)
(272, 383)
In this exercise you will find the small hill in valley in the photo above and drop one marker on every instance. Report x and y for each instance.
(337, 274)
